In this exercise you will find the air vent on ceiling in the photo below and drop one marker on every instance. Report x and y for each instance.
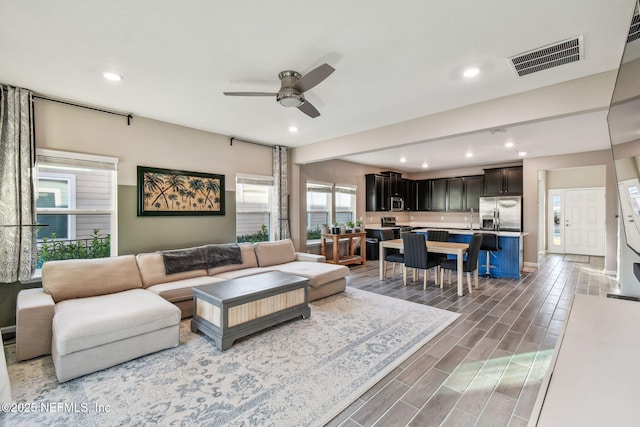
(634, 30)
(560, 53)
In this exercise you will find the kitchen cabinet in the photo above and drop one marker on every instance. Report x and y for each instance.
(503, 181)
(395, 183)
(472, 192)
(377, 192)
(455, 192)
(423, 193)
(409, 194)
(438, 195)
(513, 181)
(506, 262)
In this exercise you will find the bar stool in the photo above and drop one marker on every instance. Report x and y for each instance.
(490, 244)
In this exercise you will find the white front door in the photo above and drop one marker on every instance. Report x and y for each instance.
(577, 221)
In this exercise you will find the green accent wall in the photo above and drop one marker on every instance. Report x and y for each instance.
(148, 234)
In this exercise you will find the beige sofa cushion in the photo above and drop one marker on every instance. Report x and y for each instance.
(318, 273)
(248, 260)
(80, 278)
(152, 270)
(85, 323)
(272, 253)
(228, 275)
(181, 290)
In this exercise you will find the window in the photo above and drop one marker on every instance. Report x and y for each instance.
(319, 204)
(321, 199)
(56, 190)
(76, 203)
(254, 203)
(345, 204)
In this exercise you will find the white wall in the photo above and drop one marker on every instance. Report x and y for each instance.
(531, 200)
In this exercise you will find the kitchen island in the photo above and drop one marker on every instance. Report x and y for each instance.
(508, 262)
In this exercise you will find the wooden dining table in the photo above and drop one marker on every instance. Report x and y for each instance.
(452, 248)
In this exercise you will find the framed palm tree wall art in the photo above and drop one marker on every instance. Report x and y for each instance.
(167, 192)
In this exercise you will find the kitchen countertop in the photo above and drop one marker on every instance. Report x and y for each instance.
(378, 227)
(475, 230)
(452, 228)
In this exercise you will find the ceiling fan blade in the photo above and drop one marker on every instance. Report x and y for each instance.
(250, 93)
(309, 109)
(314, 77)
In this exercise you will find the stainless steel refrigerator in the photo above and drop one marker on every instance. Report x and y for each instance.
(501, 213)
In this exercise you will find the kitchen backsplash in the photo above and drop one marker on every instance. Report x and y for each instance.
(431, 219)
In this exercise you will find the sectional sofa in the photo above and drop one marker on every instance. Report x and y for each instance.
(92, 314)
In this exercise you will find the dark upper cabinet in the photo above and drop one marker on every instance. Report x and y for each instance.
(423, 193)
(438, 195)
(492, 182)
(377, 192)
(503, 181)
(395, 183)
(513, 181)
(472, 192)
(455, 192)
(409, 194)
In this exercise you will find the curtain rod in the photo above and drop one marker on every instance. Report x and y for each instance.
(233, 138)
(128, 116)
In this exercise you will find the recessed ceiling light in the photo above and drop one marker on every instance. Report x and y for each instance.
(113, 77)
(522, 153)
(509, 144)
(403, 159)
(471, 72)
(469, 154)
(293, 129)
(425, 165)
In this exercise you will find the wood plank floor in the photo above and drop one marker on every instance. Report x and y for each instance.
(487, 367)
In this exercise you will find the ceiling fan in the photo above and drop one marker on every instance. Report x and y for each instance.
(292, 88)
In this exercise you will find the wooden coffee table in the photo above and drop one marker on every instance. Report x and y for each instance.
(226, 311)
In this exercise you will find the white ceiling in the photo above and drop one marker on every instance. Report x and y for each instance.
(394, 61)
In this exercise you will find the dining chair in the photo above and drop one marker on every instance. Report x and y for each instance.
(417, 258)
(469, 265)
(438, 236)
(394, 256)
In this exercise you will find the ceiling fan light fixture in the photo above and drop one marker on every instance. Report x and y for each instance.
(290, 97)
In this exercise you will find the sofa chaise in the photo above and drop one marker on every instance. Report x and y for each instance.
(92, 314)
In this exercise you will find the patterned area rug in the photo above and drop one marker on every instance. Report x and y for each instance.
(576, 258)
(304, 372)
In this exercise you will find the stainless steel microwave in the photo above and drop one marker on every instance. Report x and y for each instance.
(396, 203)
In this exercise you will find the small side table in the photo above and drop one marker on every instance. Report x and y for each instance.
(351, 257)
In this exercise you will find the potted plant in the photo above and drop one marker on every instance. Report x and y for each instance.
(358, 226)
(325, 229)
(350, 226)
(335, 229)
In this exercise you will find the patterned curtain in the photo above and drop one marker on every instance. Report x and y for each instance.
(281, 195)
(17, 204)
